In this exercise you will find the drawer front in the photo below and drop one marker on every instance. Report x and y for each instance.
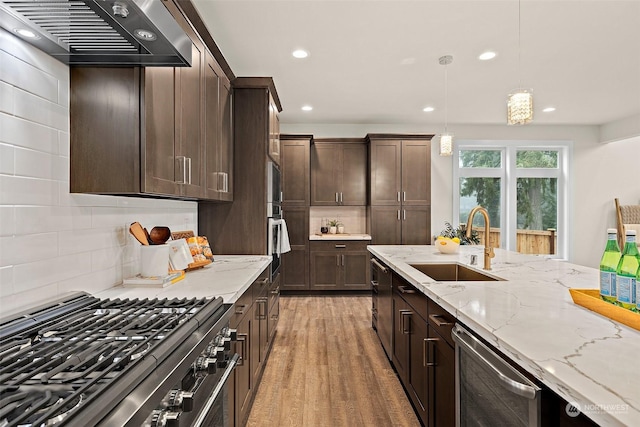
(339, 245)
(442, 321)
(416, 299)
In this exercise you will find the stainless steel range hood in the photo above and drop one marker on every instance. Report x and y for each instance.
(99, 32)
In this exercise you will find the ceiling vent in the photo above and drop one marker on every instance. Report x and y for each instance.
(99, 32)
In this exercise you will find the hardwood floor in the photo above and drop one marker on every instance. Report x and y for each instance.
(327, 368)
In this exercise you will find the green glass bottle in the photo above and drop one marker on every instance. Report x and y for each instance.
(638, 289)
(609, 266)
(627, 270)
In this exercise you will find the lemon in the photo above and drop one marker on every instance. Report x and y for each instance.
(455, 239)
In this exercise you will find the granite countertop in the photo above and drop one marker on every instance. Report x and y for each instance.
(228, 276)
(344, 236)
(581, 355)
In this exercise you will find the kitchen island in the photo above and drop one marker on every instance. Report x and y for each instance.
(529, 316)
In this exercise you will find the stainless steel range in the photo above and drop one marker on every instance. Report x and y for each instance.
(86, 361)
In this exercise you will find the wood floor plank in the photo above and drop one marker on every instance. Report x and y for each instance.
(327, 368)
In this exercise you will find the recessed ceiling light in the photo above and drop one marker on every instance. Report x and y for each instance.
(300, 53)
(428, 109)
(307, 108)
(487, 56)
(26, 33)
(549, 109)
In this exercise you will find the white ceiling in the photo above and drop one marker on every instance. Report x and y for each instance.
(376, 61)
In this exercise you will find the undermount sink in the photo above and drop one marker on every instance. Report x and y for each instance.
(453, 273)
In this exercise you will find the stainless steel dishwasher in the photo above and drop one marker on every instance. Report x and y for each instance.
(489, 391)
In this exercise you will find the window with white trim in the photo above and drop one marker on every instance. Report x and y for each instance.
(523, 186)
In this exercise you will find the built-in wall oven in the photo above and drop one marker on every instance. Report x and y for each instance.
(274, 217)
(489, 391)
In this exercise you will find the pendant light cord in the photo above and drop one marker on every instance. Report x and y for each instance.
(446, 96)
(519, 51)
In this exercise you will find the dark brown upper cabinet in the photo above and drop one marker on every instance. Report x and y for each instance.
(295, 168)
(154, 131)
(400, 170)
(338, 172)
(218, 136)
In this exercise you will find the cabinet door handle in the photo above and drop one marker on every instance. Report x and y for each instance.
(403, 314)
(225, 182)
(276, 291)
(338, 260)
(189, 163)
(341, 201)
(341, 246)
(426, 360)
(264, 281)
(379, 266)
(404, 196)
(398, 196)
(337, 198)
(240, 309)
(242, 339)
(435, 318)
(404, 214)
(398, 214)
(182, 169)
(342, 256)
(404, 290)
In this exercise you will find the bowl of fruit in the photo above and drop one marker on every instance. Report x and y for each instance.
(447, 245)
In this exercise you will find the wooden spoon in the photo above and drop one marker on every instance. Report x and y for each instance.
(139, 233)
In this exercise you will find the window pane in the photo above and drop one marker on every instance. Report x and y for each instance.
(537, 213)
(484, 192)
(480, 159)
(537, 159)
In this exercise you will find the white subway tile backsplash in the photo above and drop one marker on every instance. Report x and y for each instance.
(34, 164)
(7, 221)
(42, 219)
(6, 159)
(23, 75)
(19, 301)
(51, 270)
(7, 95)
(29, 54)
(28, 248)
(40, 110)
(51, 241)
(16, 190)
(6, 282)
(26, 134)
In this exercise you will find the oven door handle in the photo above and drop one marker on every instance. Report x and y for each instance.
(476, 349)
(216, 391)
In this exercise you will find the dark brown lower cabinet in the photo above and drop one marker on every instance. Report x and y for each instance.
(242, 372)
(255, 319)
(339, 265)
(423, 359)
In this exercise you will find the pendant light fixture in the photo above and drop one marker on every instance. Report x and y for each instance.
(446, 139)
(519, 101)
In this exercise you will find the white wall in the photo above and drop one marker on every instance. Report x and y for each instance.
(599, 173)
(51, 241)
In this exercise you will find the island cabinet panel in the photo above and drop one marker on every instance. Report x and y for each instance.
(145, 130)
(338, 174)
(423, 358)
